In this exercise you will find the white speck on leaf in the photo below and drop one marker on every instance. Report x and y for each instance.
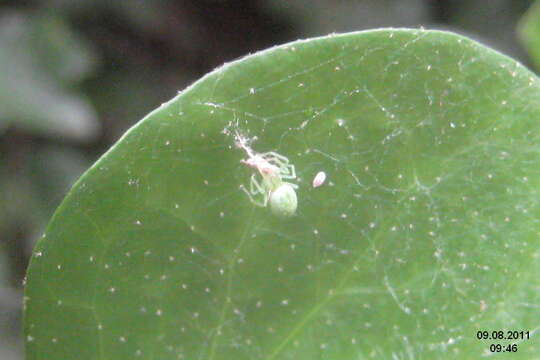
(319, 179)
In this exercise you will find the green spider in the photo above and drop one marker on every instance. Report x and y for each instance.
(274, 169)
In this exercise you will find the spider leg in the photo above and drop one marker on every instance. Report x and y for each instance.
(289, 172)
(255, 189)
(275, 159)
(258, 189)
(251, 198)
(286, 170)
(276, 156)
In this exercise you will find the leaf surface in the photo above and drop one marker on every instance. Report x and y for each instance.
(425, 231)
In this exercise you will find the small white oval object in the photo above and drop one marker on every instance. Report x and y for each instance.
(283, 201)
(319, 179)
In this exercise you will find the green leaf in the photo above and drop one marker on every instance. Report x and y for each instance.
(529, 32)
(425, 231)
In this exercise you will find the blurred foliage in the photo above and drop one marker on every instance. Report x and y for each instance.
(492, 22)
(40, 59)
(75, 74)
(317, 17)
(529, 31)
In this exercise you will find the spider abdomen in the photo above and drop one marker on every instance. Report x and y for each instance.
(283, 201)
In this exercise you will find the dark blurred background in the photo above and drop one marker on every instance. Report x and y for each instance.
(76, 74)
